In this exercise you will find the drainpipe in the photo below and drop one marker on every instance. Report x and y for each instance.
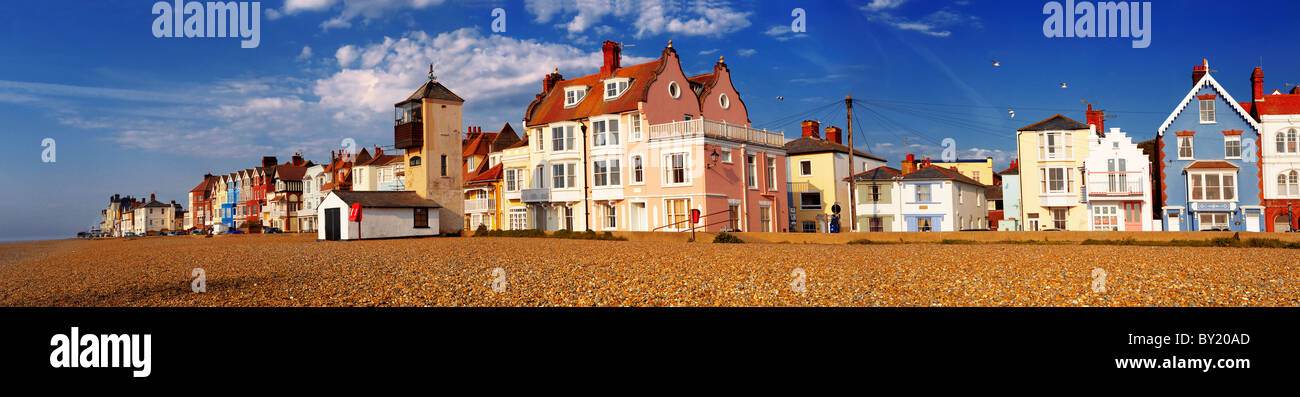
(744, 187)
(586, 185)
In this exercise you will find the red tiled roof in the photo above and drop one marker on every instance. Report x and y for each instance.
(203, 186)
(492, 174)
(290, 172)
(1278, 104)
(549, 106)
(1211, 164)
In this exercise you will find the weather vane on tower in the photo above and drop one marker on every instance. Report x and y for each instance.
(432, 77)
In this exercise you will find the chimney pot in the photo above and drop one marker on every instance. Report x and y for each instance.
(151, 197)
(834, 134)
(613, 57)
(1257, 84)
(811, 128)
(1199, 71)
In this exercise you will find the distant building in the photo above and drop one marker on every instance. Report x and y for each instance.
(384, 215)
(313, 180)
(153, 217)
(1010, 187)
(1278, 116)
(931, 198)
(1051, 155)
(483, 170)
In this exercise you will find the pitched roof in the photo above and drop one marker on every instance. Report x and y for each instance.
(993, 192)
(290, 172)
(489, 175)
(433, 90)
(549, 106)
(1012, 170)
(937, 172)
(156, 203)
(385, 199)
(203, 186)
(1275, 104)
(1055, 123)
(1211, 164)
(1208, 79)
(881, 173)
(807, 145)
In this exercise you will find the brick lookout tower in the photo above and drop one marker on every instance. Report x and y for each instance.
(427, 127)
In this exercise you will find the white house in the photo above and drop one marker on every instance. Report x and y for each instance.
(1279, 117)
(931, 198)
(312, 181)
(384, 214)
(1117, 183)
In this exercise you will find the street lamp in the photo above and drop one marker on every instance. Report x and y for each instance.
(713, 158)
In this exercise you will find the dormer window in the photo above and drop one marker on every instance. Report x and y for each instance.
(573, 95)
(614, 88)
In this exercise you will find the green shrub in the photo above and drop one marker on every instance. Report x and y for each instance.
(958, 242)
(725, 238)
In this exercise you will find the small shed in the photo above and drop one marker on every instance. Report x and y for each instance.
(384, 214)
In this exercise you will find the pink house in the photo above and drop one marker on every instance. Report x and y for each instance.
(637, 148)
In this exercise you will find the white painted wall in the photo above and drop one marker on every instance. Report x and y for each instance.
(375, 222)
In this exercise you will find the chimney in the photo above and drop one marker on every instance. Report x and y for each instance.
(379, 151)
(332, 155)
(925, 163)
(613, 57)
(269, 161)
(1097, 118)
(812, 128)
(1257, 84)
(1199, 71)
(297, 159)
(151, 197)
(833, 135)
(1014, 163)
(550, 80)
(909, 164)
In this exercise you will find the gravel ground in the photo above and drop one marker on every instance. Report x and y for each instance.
(295, 270)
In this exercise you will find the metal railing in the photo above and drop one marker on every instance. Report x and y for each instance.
(715, 129)
(480, 205)
(1115, 183)
(688, 219)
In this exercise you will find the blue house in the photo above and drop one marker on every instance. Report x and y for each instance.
(1208, 167)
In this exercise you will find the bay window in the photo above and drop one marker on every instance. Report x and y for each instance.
(1212, 186)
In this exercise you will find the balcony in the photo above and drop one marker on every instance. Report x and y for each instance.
(1115, 184)
(715, 129)
(480, 205)
(536, 195)
(408, 135)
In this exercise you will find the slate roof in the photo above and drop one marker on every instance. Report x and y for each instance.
(882, 173)
(385, 199)
(1055, 123)
(433, 90)
(808, 145)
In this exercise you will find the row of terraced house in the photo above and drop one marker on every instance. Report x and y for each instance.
(643, 147)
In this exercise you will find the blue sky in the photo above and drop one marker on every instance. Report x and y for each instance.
(134, 114)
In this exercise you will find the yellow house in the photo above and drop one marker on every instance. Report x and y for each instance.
(1051, 154)
(978, 169)
(817, 171)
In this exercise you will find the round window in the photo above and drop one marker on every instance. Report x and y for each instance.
(724, 101)
(674, 90)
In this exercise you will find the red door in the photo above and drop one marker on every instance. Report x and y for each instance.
(1133, 217)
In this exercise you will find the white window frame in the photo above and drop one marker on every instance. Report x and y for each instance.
(803, 163)
(1229, 139)
(1287, 141)
(610, 218)
(607, 172)
(1214, 216)
(674, 90)
(751, 171)
(574, 95)
(569, 177)
(512, 180)
(669, 170)
(638, 169)
(1045, 180)
(1288, 184)
(1103, 213)
(605, 131)
(634, 119)
(726, 156)
(929, 193)
(804, 206)
(618, 84)
(1063, 147)
(671, 217)
(1207, 116)
(566, 137)
(1191, 147)
(724, 101)
(1202, 186)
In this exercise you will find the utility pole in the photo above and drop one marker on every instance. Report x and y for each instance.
(853, 220)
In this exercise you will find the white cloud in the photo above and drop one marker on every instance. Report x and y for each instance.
(744, 52)
(305, 54)
(783, 33)
(708, 51)
(877, 5)
(936, 24)
(345, 55)
(650, 17)
(349, 10)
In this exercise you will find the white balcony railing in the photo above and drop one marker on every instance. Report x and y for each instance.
(480, 205)
(1115, 184)
(536, 195)
(715, 129)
